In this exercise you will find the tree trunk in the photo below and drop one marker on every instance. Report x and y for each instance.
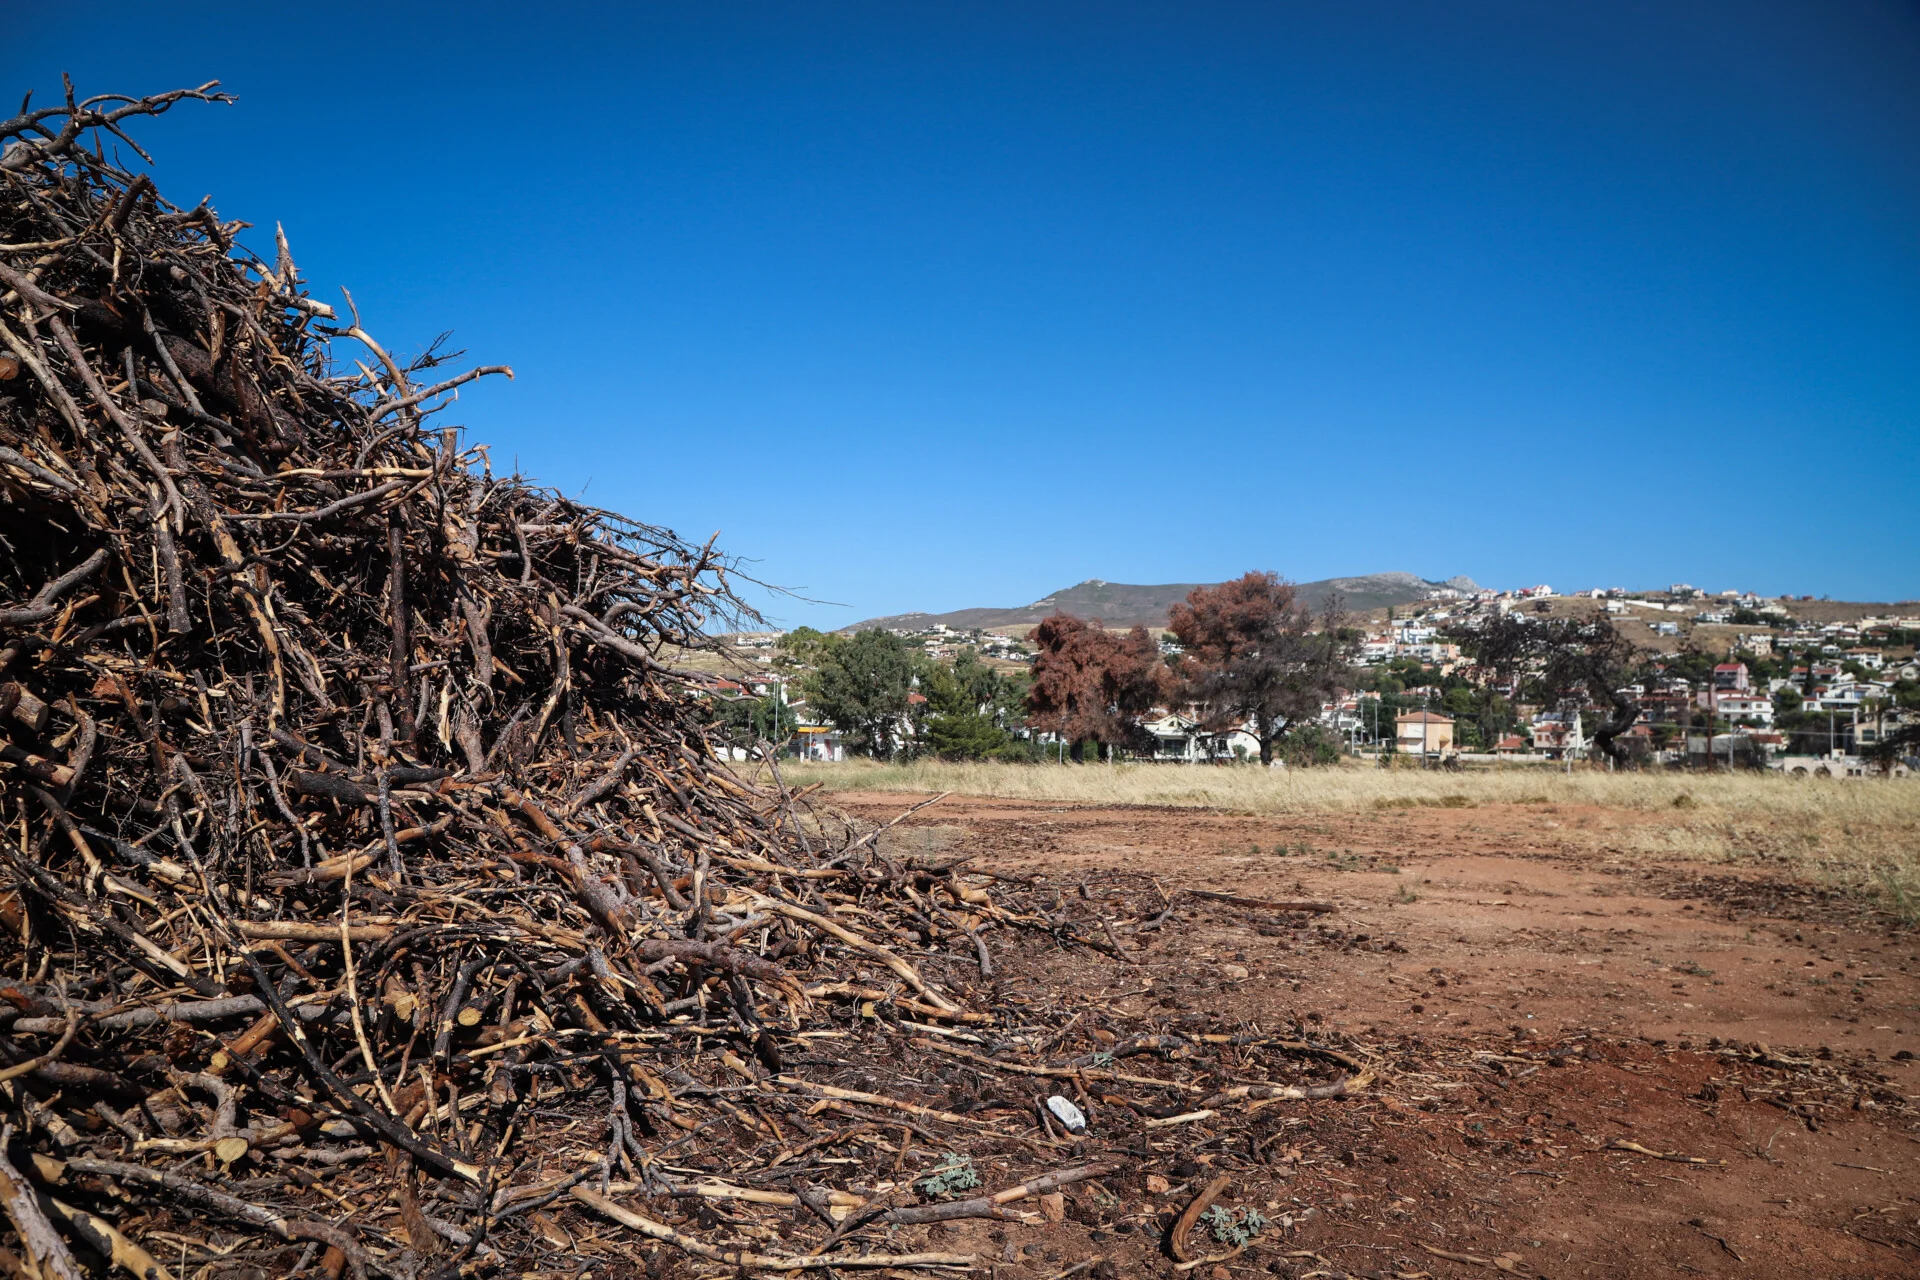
(1626, 710)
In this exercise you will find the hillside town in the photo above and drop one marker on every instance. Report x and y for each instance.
(1729, 679)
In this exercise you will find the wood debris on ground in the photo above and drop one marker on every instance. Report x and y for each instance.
(372, 900)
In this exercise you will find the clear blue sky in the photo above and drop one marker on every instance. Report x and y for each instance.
(930, 305)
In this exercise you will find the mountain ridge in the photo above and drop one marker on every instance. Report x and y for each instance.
(1121, 604)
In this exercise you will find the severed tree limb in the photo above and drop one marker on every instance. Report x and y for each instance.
(1263, 904)
(594, 894)
(401, 652)
(1621, 1144)
(1263, 1093)
(990, 1206)
(220, 1202)
(881, 830)
(871, 1099)
(46, 1252)
(856, 991)
(644, 856)
(13, 458)
(759, 1261)
(978, 934)
(51, 1055)
(1068, 1073)
(380, 411)
(332, 508)
(606, 783)
(106, 1239)
(852, 939)
(1177, 1238)
(714, 955)
(392, 1129)
(78, 117)
(46, 601)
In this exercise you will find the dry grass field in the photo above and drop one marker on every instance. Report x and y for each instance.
(1857, 835)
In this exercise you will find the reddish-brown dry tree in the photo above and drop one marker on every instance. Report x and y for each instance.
(1256, 658)
(1091, 684)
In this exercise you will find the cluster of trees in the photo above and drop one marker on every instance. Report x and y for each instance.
(1481, 716)
(748, 721)
(888, 697)
(1251, 657)
(1584, 662)
(1587, 663)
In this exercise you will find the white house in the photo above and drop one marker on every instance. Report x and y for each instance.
(1180, 739)
(1559, 735)
(818, 742)
(1738, 705)
(1846, 696)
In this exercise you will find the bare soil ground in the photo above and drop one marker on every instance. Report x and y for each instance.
(1531, 1002)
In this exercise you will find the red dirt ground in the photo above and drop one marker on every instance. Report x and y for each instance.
(1529, 1001)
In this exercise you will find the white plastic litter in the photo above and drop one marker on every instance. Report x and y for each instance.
(1067, 1114)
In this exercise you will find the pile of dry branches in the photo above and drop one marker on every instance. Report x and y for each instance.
(371, 900)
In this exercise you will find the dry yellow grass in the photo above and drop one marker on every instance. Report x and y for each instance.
(1857, 834)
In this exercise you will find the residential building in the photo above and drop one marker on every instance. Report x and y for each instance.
(818, 742)
(1738, 705)
(1433, 653)
(1731, 675)
(1423, 732)
(1179, 739)
(1558, 734)
(1663, 707)
(1845, 696)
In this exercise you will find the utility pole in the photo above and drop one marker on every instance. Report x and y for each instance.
(1713, 714)
(1426, 723)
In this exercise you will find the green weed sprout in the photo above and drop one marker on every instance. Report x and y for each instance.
(1236, 1227)
(955, 1175)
